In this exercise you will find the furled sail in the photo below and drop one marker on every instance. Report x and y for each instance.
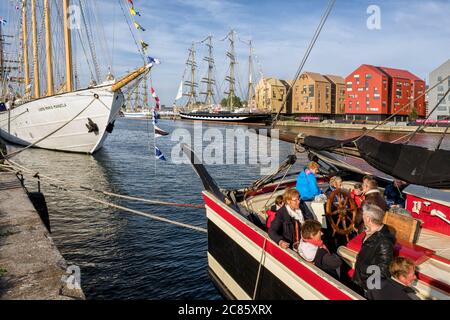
(180, 91)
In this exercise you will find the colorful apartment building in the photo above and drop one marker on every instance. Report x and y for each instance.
(374, 93)
(337, 94)
(270, 94)
(311, 95)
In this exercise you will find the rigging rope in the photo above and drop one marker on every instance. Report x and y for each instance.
(51, 133)
(399, 110)
(131, 31)
(305, 57)
(431, 112)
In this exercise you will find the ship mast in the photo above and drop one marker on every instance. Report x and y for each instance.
(251, 89)
(192, 84)
(231, 78)
(209, 100)
(68, 46)
(26, 67)
(37, 87)
(145, 104)
(48, 48)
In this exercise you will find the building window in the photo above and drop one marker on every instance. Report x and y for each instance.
(440, 88)
(439, 78)
(398, 90)
(311, 90)
(356, 75)
(368, 76)
(439, 97)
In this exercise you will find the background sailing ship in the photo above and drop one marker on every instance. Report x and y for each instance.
(229, 109)
(40, 76)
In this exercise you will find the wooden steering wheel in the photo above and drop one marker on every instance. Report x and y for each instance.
(344, 210)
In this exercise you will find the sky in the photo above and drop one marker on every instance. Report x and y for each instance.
(413, 35)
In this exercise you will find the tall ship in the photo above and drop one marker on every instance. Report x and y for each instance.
(136, 105)
(44, 104)
(209, 109)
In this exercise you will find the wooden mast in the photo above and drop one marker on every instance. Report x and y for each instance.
(68, 47)
(48, 48)
(26, 68)
(37, 88)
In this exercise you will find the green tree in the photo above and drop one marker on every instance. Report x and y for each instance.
(413, 114)
(236, 102)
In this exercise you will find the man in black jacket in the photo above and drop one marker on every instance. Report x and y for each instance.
(398, 287)
(377, 251)
(285, 228)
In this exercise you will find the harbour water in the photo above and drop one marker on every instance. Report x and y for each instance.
(124, 256)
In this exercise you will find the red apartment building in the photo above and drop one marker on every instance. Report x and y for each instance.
(374, 93)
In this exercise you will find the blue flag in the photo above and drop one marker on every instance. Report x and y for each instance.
(154, 117)
(159, 155)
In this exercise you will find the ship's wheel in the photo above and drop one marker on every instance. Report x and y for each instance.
(341, 210)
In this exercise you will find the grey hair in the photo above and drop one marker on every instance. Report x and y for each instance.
(374, 212)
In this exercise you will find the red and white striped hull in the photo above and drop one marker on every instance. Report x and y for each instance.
(237, 249)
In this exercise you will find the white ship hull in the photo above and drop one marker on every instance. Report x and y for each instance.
(31, 121)
(137, 115)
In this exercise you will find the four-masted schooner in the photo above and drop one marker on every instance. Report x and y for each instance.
(207, 110)
(64, 117)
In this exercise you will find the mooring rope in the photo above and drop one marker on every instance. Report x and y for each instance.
(113, 205)
(15, 165)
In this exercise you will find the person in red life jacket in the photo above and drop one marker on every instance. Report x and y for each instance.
(398, 287)
(312, 249)
(271, 213)
(357, 194)
(285, 228)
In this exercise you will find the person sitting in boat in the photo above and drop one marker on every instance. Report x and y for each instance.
(285, 228)
(393, 194)
(372, 195)
(377, 250)
(271, 213)
(398, 286)
(335, 183)
(312, 249)
(307, 182)
(357, 194)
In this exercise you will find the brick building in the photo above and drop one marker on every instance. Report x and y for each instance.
(312, 95)
(270, 93)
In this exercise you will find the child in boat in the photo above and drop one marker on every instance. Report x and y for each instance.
(312, 249)
(271, 213)
(357, 194)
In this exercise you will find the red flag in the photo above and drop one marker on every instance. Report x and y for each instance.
(155, 97)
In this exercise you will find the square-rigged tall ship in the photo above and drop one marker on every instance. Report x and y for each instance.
(208, 110)
(66, 117)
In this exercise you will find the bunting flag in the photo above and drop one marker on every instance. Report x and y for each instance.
(155, 97)
(159, 155)
(134, 12)
(138, 26)
(153, 60)
(144, 45)
(160, 132)
(154, 117)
